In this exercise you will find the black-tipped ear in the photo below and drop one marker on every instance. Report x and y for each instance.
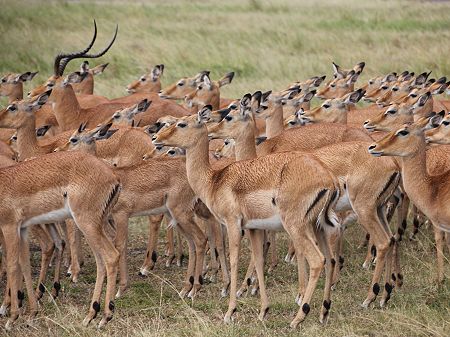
(265, 95)
(28, 76)
(257, 96)
(422, 78)
(104, 132)
(143, 105)
(435, 119)
(226, 79)
(82, 127)
(355, 96)
(361, 66)
(335, 69)
(318, 81)
(152, 129)
(442, 80)
(204, 114)
(224, 112)
(390, 77)
(245, 100)
(404, 74)
(43, 98)
(424, 98)
(41, 131)
(260, 140)
(308, 96)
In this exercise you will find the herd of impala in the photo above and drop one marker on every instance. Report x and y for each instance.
(216, 170)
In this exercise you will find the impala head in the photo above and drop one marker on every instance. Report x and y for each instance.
(84, 140)
(150, 82)
(208, 92)
(11, 85)
(339, 87)
(377, 86)
(226, 150)
(19, 113)
(238, 121)
(398, 114)
(61, 61)
(162, 122)
(338, 72)
(83, 82)
(440, 134)
(332, 110)
(295, 119)
(405, 141)
(127, 116)
(307, 85)
(183, 87)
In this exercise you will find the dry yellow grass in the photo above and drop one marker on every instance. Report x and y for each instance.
(268, 44)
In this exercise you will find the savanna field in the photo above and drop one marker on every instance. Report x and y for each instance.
(268, 44)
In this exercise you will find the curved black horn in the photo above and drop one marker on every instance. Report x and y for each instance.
(58, 68)
(103, 52)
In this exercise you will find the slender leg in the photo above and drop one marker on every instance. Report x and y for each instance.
(151, 254)
(273, 251)
(121, 243)
(439, 238)
(26, 271)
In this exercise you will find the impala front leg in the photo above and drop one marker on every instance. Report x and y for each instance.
(234, 241)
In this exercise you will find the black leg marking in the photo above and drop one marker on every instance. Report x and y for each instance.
(249, 281)
(217, 253)
(242, 232)
(393, 277)
(20, 297)
(327, 304)
(404, 224)
(306, 308)
(373, 251)
(41, 288)
(388, 289)
(341, 262)
(367, 237)
(391, 243)
(333, 262)
(154, 256)
(148, 253)
(112, 306)
(234, 310)
(96, 307)
(57, 287)
(273, 201)
(266, 311)
(400, 277)
(200, 279)
(400, 232)
(376, 289)
(191, 280)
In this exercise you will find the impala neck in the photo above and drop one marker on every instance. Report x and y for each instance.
(275, 122)
(245, 147)
(65, 106)
(86, 87)
(27, 144)
(416, 179)
(199, 171)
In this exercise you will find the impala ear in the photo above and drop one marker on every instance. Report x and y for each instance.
(336, 71)
(256, 100)
(157, 72)
(422, 78)
(390, 78)
(226, 79)
(143, 105)
(41, 100)
(423, 99)
(265, 95)
(318, 81)
(408, 77)
(260, 140)
(360, 67)
(440, 89)
(84, 68)
(308, 96)
(41, 131)
(99, 69)
(403, 74)
(82, 127)
(355, 96)
(104, 132)
(204, 114)
(294, 91)
(245, 101)
(207, 81)
(435, 120)
(75, 77)
(28, 76)
(352, 78)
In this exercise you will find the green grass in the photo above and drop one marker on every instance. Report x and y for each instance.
(268, 45)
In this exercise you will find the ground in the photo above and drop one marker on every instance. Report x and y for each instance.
(268, 45)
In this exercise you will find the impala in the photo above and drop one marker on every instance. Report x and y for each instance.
(429, 192)
(150, 82)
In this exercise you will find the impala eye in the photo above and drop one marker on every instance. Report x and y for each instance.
(143, 79)
(370, 82)
(391, 112)
(413, 95)
(50, 85)
(3, 80)
(12, 107)
(333, 85)
(403, 133)
(326, 106)
(180, 84)
(291, 123)
(385, 87)
(446, 123)
(393, 89)
(181, 125)
(200, 87)
(73, 140)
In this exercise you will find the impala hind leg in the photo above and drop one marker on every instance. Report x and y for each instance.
(306, 243)
(189, 279)
(151, 255)
(170, 246)
(106, 258)
(234, 241)
(220, 244)
(26, 271)
(257, 242)
(12, 247)
(59, 244)
(439, 237)
(74, 244)
(272, 250)
(47, 249)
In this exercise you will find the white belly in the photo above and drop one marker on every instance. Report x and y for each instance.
(153, 211)
(273, 223)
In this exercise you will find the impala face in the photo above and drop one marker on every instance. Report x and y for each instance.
(376, 87)
(12, 84)
(338, 72)
(184, 133)
(338, 87)
(47, 85)
(441, 134)
(19, 113)
(183, 87)
(150, 82)
(126, 116)
(332, 110)
(83, 82)
(403, 142)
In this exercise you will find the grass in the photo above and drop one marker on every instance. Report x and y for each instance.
(268, 44)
